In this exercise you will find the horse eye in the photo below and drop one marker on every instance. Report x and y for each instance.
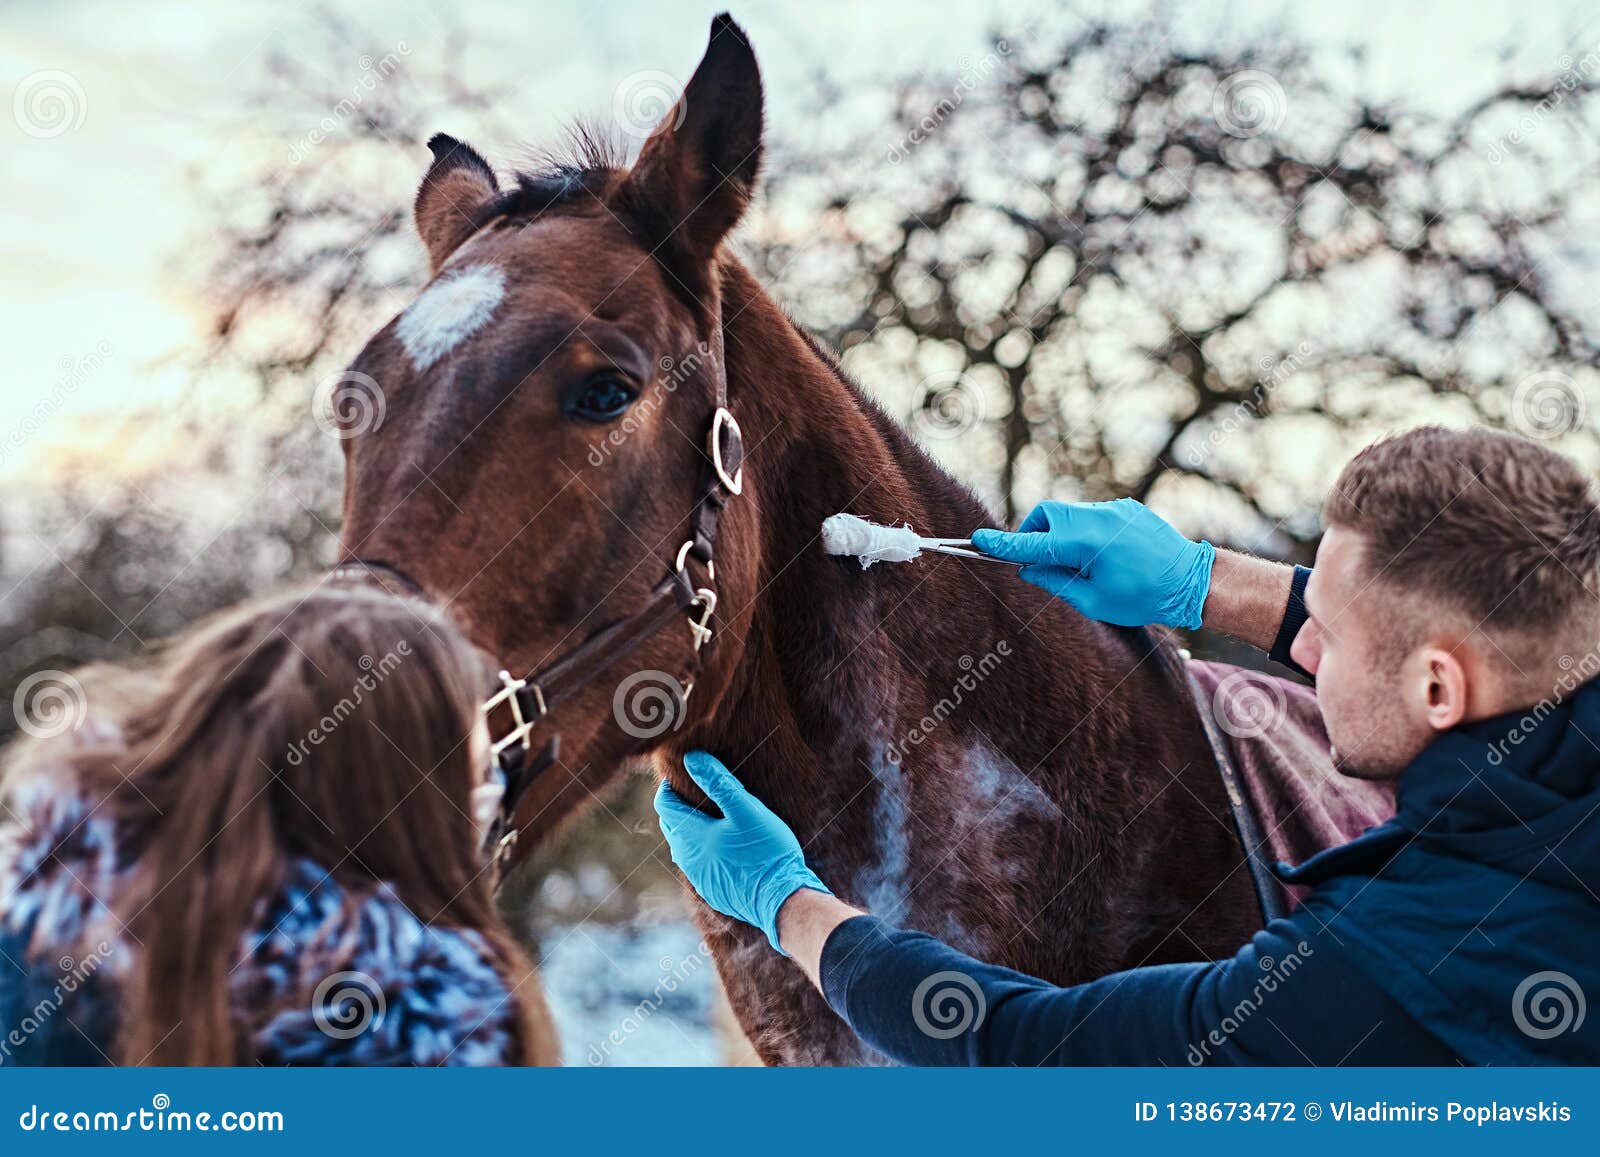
(602, 398)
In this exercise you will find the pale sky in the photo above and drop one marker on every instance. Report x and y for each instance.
(98, 208)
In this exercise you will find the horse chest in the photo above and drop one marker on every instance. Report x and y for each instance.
(953, 832)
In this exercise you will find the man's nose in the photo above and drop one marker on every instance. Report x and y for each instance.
(1306, 649)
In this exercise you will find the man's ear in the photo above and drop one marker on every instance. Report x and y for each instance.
(1446, 692)
(454, 190)
(696, 174)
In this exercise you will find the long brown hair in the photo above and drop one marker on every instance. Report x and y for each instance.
(332, 724)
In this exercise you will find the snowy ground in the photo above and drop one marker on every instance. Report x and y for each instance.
(637, 994)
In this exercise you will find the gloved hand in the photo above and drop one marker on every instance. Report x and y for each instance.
(1119, 562)
(744, 865)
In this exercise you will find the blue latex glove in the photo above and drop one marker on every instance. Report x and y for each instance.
(744, 865)
(1119, 562)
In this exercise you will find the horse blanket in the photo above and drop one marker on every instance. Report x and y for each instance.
(1273, 728)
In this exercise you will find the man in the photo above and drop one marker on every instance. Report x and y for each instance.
(1452, 626)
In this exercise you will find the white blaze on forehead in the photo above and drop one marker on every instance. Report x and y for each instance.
(452, 309)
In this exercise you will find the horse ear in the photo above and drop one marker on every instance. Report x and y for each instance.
(696, 174)
(456, 186)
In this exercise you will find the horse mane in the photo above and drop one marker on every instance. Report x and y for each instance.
(576, 171)
(584, 149)
(906, 451)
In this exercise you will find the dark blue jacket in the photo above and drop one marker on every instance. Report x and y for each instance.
(1465, 929)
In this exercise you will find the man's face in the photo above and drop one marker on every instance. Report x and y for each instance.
(1363, 682)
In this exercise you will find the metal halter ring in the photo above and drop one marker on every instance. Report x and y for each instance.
(724, 417)
(683, 554)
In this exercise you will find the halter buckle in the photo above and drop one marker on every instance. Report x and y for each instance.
(700, 629)
(503, 848)
(723, 418)
(510, 694)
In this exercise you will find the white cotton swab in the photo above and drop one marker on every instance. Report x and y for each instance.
(854, 537)
(845, 534)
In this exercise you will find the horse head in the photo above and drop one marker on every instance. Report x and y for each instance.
(552, 435)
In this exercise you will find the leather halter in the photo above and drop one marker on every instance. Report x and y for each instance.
(521, 704)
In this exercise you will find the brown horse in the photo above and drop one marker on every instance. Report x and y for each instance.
(956, 751)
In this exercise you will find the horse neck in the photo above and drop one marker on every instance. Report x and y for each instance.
(816, 437)
(838, 664)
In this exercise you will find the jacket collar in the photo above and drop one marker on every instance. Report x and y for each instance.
(1499, 789)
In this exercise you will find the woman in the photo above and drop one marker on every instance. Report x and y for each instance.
(265, 845)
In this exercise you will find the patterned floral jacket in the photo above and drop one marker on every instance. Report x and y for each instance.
(321, 980)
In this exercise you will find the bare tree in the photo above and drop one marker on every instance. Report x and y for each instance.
(1109, 263)
(301, 258)
(316, 245)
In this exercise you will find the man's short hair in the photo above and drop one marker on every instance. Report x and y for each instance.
(1496, 526)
